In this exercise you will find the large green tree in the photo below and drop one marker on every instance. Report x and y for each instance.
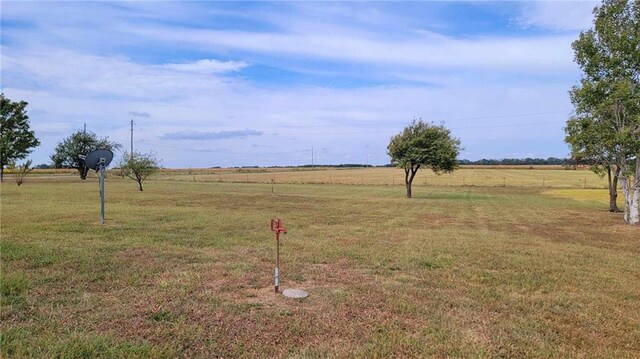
(68, 153)
(423, 144)
(138, 166)
(606, 123)
(17, 139)
(593, 144)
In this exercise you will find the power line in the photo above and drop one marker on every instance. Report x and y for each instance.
(132, 138)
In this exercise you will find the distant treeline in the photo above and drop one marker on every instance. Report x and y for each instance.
(340, 165)
(520, 162)
(483, 162)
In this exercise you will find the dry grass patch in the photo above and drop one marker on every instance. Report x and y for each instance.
(185, 269)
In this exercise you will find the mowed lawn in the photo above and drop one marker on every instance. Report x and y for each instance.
(185, 269)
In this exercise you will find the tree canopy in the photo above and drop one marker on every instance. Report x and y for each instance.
(67, 152)
(17, 139)
(606, 125)
(423, 144)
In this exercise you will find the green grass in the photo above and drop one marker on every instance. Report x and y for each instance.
(185, 269)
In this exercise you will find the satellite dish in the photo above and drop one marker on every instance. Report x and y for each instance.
(98, 157)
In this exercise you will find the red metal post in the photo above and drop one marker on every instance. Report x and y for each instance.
(276, 226)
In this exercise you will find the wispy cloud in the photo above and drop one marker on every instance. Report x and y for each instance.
(139, 114)
(422, 50)
(558, 15)
(207, 66)
(220, 135)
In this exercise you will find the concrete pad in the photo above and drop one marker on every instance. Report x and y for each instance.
(295, 293)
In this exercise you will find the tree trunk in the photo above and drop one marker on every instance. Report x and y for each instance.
(407, 182)
(83, 172)
(140, 185)
(409, 174)
(613, 189)
(1, 173)
(631, 196)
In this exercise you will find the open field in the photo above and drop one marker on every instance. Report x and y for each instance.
(185, 269)
(481, 176)
(542, 176)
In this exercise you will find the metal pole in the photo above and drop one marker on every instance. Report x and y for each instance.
(276, 226)
(131, 139)
(102, 192)
(277, 274)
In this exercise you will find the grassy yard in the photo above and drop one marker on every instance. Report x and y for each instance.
(185, 269)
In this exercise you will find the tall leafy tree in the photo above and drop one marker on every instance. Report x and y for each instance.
(594, 145)
(606, 124)
(17, 139)
(68, 153)
(423, 144)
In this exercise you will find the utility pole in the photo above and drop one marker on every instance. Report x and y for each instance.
(132, 139)
(85, 129)
(311, 156)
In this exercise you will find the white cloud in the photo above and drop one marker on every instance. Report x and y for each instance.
(207, 66)
(526, 54)
(76, 72)
(558, 15)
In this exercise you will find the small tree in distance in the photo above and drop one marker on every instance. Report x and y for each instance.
(22, 171)
(423, 144)
(139, 166)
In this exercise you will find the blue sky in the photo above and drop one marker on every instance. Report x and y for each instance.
(260, 83)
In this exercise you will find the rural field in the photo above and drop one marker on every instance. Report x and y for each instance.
(480, 263)
(483, 176)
